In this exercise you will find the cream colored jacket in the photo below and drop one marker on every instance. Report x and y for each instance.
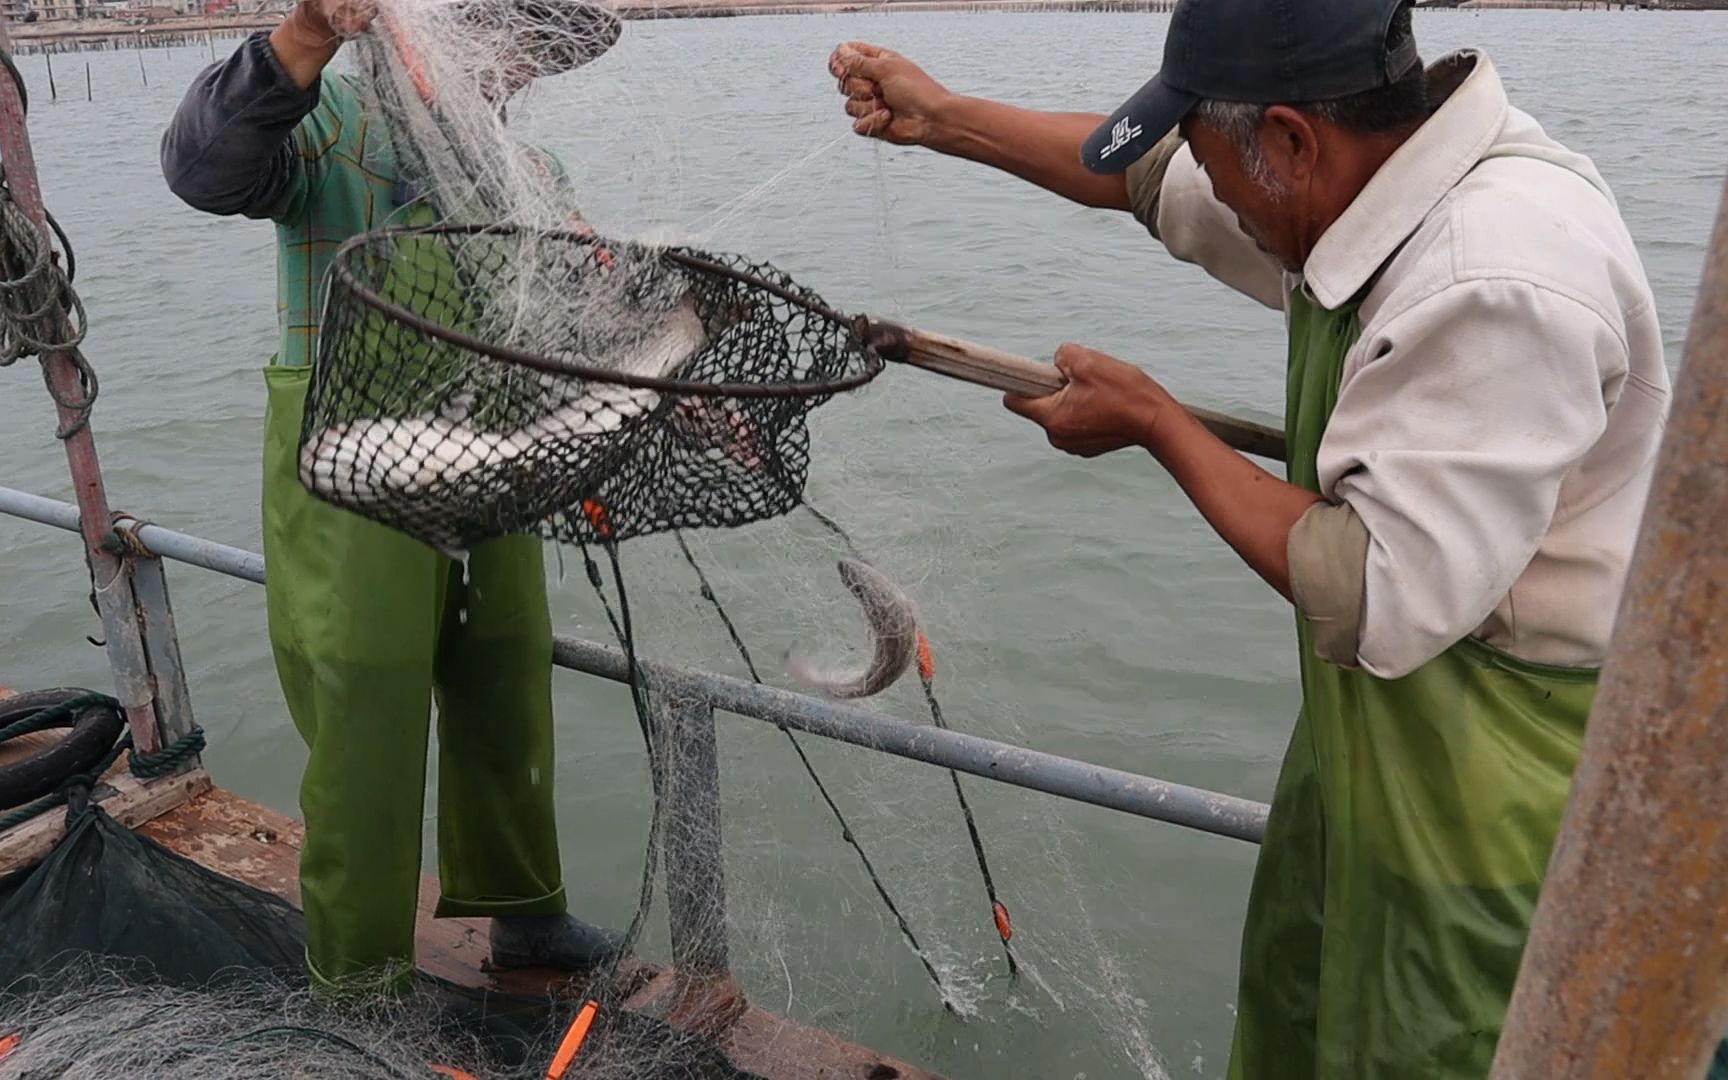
(1498, 420)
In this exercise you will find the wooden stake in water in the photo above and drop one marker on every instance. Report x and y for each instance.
(141, 74)
(88, 95)
(53, 94)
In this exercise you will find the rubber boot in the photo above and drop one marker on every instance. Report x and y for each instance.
(555, 941)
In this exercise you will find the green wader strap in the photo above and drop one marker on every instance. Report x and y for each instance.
(1409, 832)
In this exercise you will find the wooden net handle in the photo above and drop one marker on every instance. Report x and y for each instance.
(983, 365)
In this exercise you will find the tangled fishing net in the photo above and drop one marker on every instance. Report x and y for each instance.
(507, 371)
(498, 368)
(94, 1021)
(123, 959)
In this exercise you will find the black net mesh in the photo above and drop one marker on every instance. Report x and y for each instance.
(119, 957)
(474, 382)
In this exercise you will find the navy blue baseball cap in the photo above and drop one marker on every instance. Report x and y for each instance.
(1256, 51)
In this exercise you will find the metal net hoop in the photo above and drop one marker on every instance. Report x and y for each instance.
(723, 274)
(474, 381)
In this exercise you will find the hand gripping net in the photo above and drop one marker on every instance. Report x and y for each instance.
(613, 391)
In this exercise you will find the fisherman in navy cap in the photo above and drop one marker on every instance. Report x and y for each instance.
(1476, 393)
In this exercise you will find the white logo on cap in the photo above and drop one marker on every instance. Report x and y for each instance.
(1120, 136)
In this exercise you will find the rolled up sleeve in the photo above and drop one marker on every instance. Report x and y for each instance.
(1328, 555)
(1450, 445)
(1170, 195)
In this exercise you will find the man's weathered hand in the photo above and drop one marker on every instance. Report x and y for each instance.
(345, 18)
(309, 37)
(888, 96)
(1107, 404)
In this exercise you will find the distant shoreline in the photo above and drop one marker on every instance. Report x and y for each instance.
(28, 38)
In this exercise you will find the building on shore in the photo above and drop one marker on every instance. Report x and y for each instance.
(58, 10)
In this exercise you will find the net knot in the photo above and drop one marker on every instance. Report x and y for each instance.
(124, 539)
(74, 791)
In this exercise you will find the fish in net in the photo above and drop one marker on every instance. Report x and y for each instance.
(664, 389)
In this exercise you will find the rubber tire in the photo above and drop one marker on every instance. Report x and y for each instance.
(95, 730)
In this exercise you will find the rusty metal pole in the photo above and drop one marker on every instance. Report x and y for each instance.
(113, 586)
(1626, 970)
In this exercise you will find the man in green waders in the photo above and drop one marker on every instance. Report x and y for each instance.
(366, 623)
(1476, 391)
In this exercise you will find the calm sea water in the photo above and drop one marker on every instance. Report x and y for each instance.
(1078, 607)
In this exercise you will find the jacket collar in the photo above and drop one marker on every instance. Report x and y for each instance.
(1413, 181)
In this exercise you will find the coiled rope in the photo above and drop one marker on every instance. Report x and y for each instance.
(41, 315)
(143, 766)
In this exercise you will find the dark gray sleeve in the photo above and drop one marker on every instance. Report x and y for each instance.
(227, 149)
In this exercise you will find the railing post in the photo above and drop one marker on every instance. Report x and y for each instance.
(695, 874)
(1626, 970)
(110, 575)
(162, 648)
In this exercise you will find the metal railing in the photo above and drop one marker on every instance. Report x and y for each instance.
(695, 876)
(1130, 793)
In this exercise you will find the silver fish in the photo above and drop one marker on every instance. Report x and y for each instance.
(372, 461)
(893, 630)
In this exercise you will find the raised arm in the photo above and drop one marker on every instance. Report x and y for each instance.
(891, 98)
(227, 149)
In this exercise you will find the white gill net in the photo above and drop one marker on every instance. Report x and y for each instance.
(809, 932)
(807, 928)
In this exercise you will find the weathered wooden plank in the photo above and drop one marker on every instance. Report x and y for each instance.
(782, 1049)
(237, 839)
(127, 799)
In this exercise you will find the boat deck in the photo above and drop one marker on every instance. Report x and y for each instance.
(246, 842)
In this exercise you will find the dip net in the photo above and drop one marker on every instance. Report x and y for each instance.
(490, 366)
(632, 391)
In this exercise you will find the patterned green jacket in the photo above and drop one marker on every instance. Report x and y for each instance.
(246, 140)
